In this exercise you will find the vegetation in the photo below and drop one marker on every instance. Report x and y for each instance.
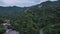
(52, 29)
(35, 18)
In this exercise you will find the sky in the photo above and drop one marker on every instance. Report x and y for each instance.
(21, 3)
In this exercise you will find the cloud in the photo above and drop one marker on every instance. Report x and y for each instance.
(16, 2)
(21, 3)
(53, 0)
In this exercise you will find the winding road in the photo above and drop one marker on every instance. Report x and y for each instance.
(41, 31)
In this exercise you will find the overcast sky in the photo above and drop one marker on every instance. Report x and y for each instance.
(21, 3)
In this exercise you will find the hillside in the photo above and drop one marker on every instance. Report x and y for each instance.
(14, 10)
(11, 11)
(33, 18)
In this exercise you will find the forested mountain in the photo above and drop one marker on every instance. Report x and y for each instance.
(48, 3)
(14, 10)
(11, 11)
(34, 18)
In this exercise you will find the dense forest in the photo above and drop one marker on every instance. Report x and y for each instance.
(29, 20)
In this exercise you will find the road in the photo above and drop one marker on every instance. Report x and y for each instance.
(41, 31)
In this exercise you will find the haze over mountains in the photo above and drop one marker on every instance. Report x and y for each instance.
(14, 11)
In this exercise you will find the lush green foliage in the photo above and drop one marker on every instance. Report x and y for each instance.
(52, 29)
(35, 18)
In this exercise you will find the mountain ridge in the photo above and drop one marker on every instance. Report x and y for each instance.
(14, 10)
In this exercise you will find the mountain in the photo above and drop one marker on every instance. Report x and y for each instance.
(14, 11)
(11, 11)
(29, 20)
(36, 18)
(50, 3)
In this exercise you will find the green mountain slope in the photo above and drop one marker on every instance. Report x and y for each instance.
(33, 18)
(11, 11)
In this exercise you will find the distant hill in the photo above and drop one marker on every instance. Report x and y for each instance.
(50, 3)
(11, 11)
(15, 11)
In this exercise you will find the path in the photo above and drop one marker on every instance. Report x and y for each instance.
(41, 31)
